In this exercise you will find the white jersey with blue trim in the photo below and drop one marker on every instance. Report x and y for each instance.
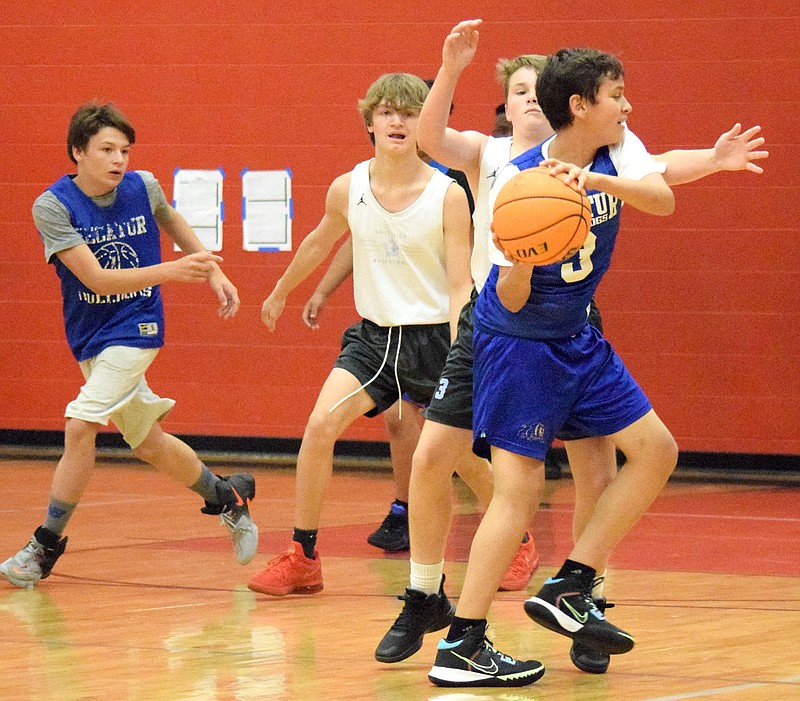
(561, 292)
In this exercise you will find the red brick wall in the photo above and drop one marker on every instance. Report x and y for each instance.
(703, 305)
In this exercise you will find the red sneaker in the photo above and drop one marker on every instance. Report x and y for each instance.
(289, 573)
(522, 567)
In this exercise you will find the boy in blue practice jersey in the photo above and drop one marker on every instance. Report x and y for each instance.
(100, 229)
(540, 368)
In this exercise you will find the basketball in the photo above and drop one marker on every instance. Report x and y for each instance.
(538, 219)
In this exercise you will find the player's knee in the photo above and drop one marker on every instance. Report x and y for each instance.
(321, 428)
(663, 451)
(152, 447)
(78, 429)
(428, 462)
(79, 435)
(147, 451)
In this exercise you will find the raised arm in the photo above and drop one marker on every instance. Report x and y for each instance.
(734, 150)
(312, 251)
(455, 149)
(338, 271)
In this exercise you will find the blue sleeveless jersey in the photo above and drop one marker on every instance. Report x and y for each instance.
(561, 292)
(123, 235)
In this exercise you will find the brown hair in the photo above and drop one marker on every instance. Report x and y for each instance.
(89, 119)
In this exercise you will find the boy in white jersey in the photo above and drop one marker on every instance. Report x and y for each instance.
(100, 229)
(410, 229)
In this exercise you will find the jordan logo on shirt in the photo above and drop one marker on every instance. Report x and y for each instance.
(361, 201)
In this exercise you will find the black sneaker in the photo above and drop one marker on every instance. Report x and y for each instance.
(588, 659)
(234, 493)
(473, 661)
(422, 613)
(392, 534)
(565, 606)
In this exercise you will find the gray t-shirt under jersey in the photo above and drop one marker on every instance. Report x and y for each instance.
(53, 221)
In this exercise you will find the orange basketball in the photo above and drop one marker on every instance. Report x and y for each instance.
(540, 220)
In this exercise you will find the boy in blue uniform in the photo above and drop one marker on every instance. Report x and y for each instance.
(592, 460)
(540, 368)
(100, 230)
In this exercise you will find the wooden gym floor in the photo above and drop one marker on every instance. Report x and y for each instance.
(148, 602)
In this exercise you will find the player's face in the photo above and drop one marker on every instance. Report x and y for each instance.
(103, 162)
(522, 107)
(394, 128)
(610, 112)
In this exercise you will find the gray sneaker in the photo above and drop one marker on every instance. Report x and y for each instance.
(35, 560)
(235, 492)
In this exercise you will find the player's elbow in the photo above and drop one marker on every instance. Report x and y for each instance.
(511, 300)
(99, 283)
(667, 205)
(662, 204)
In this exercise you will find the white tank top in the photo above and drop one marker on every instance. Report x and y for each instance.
(495, 155)
(399, 274)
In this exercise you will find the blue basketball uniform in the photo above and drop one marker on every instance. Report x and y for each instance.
(122, 235)
(544, 369)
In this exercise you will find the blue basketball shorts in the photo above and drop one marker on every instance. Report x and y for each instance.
(528, 390)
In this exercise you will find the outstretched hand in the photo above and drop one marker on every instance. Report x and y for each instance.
(736, 150)
(195, 267)
(460, 45)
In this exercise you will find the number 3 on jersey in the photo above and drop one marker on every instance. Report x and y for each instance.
(569, 272)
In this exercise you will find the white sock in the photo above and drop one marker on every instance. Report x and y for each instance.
(597, 591)
(426, 578)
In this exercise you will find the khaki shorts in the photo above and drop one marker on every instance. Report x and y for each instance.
(116, 390)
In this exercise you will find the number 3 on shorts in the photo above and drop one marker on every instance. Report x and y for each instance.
(442, 388)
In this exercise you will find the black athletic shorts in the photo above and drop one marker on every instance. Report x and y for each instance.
(451, 403)
(423, 350)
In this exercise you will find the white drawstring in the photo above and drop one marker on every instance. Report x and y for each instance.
(396, 378)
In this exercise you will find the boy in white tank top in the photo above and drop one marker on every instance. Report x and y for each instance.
(410, 231)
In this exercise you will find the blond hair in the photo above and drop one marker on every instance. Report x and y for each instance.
(402, 91)
(506, 67)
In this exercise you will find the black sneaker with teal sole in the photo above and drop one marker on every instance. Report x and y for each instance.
(565, 606)
(588, 659)
(474, 662)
